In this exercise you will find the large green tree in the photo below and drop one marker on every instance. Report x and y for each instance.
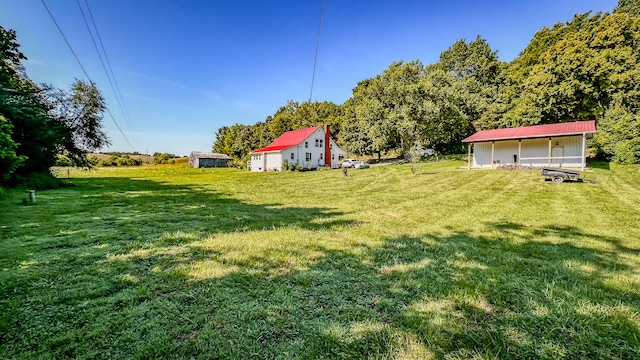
(295, 115)
(9, 159)
(477, 84)
(365, 127)
(585, 69)
(43, 122)
(78, 112)
(387, 110)
(632, 7)
(408, 107)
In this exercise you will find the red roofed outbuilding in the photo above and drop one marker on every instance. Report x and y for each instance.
(561, 145)
(309, 147)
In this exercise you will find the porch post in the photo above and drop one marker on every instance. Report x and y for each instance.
(493, 150)
(469, 156)
(584, 152)
(519, 150)
(549, 157)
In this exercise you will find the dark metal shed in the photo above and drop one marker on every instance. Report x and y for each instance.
(201, 159)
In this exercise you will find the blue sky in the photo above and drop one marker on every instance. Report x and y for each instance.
(186, 68)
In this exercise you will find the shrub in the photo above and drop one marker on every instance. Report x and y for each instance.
(127, 161)
(111, 161)
(62, 160)
(627, 152)
(299, 167)
(93, 160)
(119, 161)
(164, 158)
(39, 181)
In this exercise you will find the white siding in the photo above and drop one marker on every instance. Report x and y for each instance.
(314, 148)
(531, 148)
(482, 154)
(337, 154)
(504, 152)
(274, 161)
(535, 148)
(286, 155)
(257, 162)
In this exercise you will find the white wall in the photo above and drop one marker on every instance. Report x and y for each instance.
(274, 160)
(317, 152)
(531, 148)
(337, 154)
(257, 162)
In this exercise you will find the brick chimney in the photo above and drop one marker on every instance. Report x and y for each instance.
(327, 145)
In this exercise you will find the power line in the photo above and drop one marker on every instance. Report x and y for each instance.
(119, 99)
(115, 81)
(315, 60)
(83, 69)
(65, 40)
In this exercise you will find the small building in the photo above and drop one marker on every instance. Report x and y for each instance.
(311, 147)
(555, 145)
(201, 159)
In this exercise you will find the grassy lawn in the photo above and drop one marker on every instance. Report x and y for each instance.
(173, 262)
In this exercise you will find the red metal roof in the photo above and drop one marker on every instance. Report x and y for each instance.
(289, 139)
(536, 131)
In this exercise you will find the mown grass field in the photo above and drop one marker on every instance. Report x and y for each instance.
(173, 262)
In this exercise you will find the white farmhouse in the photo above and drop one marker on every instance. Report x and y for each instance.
(556, 145)
(310, 147)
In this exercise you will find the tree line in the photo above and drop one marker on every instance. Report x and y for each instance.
(587, 68)
(39, 123)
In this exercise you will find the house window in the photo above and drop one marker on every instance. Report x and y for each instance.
(321, 143)
(292, 155)
(308, 156)
(320, 156)
(333, 156)
(330, 145)
(306, 144)
(316, 142)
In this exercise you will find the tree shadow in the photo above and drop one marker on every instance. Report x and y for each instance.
(521, 292)
(599, 164)
(507, 296)
(163, 207)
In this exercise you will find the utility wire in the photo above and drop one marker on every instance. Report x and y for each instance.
(315, 60)
(83, 69)
(65, 40)
(115, 81)
(119, 100)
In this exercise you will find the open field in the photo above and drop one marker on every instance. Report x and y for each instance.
(174, 262)
(146, 159)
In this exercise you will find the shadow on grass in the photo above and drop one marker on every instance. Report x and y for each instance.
(162, 207)
(466, 296)
(526, 292)
(599, 164)
(460, 296)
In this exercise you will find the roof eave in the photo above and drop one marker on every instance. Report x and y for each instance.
(260, 151)
(529, 137)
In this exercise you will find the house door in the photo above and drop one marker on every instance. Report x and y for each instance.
(557, 151)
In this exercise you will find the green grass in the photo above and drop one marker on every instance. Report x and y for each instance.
(174, 262)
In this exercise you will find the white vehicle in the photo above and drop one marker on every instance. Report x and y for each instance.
(354, 163)
(428, 152)
(349, 163)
